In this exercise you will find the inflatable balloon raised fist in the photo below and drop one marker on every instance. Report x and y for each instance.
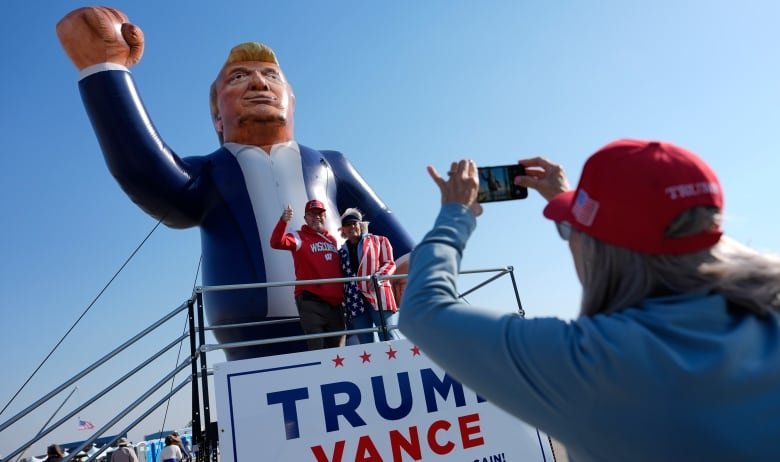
(234, 194)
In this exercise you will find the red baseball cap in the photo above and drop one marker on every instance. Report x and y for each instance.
(630, 191)
(314, 204)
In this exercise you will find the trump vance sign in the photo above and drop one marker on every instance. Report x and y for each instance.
(377, 402)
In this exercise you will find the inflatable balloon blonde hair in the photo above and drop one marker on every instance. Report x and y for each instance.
(247, 51)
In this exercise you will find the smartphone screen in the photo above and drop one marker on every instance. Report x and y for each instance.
(498, 183)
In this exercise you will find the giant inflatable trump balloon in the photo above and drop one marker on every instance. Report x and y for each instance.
(234, 194)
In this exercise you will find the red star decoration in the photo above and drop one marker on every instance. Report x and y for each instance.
(415, 350)
(391, 353)
(339, 361)
(366, 357)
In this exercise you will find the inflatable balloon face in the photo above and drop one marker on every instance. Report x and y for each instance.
(253, 91)
(235, 194)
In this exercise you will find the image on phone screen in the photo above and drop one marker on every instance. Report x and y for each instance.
(497, 183)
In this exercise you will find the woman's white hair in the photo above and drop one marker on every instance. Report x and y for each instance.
(363, 225)
(616, 278)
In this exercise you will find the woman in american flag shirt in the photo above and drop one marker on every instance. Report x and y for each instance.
(365, 254)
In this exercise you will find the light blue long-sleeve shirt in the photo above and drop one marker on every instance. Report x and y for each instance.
(675, 378)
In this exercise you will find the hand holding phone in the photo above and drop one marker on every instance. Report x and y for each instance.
(497, 183)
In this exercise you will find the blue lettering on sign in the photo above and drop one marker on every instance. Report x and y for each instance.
(432, 383)
(380, 397)
(348, 409)
(342, 399)
(287, 399)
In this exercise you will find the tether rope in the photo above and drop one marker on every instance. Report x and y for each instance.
(178, 355)
(105, 287)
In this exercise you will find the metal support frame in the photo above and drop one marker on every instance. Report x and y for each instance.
(383, 334)
(375, 280)
(197, 435)
(96, 397)
(90, 368)
(210, 446)
(127, 410)
(517, 294)
(206, 442)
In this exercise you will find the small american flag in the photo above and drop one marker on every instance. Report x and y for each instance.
(86, 425)
(584, 208)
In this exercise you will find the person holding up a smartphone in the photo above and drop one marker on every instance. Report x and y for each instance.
(676, 353)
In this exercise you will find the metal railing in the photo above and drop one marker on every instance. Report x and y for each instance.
(206, 447)
(375, 279)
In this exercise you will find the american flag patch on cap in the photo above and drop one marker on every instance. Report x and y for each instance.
(584, 208)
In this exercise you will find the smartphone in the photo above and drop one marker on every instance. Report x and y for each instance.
(498, 183)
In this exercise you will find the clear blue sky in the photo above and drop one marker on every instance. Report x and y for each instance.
(393, 85)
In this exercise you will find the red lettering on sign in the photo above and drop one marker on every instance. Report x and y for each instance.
(366, 450)
(410, 446)
(338, 452)
(440, 449)
(467, 432)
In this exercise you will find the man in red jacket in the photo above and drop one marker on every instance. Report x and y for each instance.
(315, 256)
